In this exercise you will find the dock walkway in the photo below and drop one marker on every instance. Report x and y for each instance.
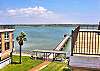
(60, 45)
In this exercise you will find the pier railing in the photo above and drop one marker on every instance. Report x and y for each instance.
(86, 41)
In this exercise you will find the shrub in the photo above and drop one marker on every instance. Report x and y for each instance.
(66, 69)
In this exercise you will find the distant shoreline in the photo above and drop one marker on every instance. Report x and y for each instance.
(58, 25)
(13, 26)
(48, 25)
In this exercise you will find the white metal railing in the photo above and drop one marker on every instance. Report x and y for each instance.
(5, 62)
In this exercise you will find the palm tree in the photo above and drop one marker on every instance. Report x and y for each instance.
(20, 39)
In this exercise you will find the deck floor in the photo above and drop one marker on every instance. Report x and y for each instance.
(84, 69)
(85, 61)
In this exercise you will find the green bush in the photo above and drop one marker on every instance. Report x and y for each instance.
(66, 69)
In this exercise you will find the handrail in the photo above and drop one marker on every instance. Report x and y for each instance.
(2, 61)
(60, 42)
(88, 30)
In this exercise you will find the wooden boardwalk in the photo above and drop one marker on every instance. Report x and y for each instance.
(60, 45)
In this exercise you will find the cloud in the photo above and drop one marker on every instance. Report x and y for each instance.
(39, 11)
(12, 12)
(36, 14)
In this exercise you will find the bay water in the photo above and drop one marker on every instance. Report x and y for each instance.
(41, 37)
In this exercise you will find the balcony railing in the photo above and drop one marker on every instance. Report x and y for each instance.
(87, 42)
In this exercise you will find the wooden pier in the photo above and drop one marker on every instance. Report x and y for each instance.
(62, 43)
(51, 54)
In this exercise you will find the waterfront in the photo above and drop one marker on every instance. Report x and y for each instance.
(41, 37)
(45, 37)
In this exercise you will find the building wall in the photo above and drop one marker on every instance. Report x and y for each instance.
(3, 42)
(11, 39)
(6, 53)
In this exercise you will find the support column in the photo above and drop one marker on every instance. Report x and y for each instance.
(65, 55)
(44, 56)
(36, 55)
(53, 56)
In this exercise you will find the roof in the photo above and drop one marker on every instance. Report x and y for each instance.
(6, 30)
(48, 51)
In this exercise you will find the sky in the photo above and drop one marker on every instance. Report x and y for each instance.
(49, 11)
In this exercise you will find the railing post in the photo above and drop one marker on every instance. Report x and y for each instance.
(72, 44)
(99, 26)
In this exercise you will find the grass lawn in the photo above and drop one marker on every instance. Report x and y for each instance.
(27, 64)
(54, 66)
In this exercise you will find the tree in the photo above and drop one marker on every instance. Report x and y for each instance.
(20, 39)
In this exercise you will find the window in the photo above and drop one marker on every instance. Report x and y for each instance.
(6, 45)
(6, 35)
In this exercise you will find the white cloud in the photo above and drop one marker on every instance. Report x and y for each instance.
(12, 12)
(36, 14)
(40, 11)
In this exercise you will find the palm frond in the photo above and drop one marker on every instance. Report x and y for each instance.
(24, 39)
(17, 38)
(21, 37)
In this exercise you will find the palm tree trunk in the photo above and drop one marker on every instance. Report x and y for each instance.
(11, 56)
(20, 54)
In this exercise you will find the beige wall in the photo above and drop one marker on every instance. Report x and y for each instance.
(10, 40)
(6, 53)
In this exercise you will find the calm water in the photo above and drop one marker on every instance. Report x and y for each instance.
(41, 37)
